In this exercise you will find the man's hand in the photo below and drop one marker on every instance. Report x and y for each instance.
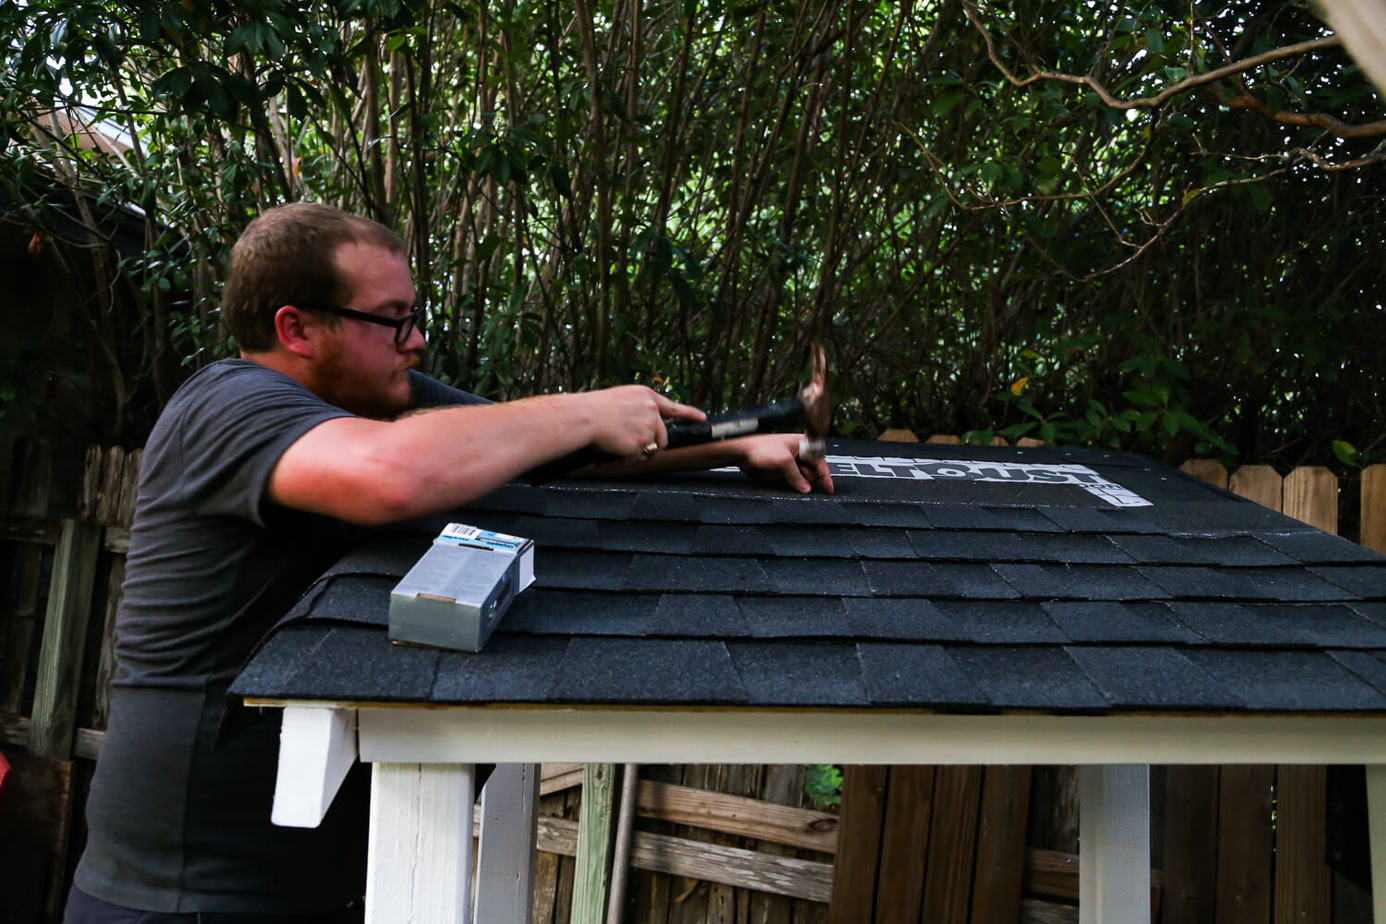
(776, 456)
(625, 420)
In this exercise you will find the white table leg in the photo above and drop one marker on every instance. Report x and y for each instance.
(1114, 844)
(1376, 826)
(419, 867)
(506, 849)
(317, 746)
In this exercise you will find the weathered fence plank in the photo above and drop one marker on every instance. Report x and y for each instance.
(28, 475)
(64, 634)
(1303, 881)
(738, 815)
(731, 866)
(952, 844)
(904, 844)
(858, 844)
(113, 506)
(996, 885)
(594, 844)
(1190, 845)
(1244, 844)
(783, 784)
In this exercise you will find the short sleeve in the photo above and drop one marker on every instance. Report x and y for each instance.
(226, 430)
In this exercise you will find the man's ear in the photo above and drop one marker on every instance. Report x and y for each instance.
(293, 334)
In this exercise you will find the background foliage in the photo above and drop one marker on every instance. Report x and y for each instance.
(1152, 226)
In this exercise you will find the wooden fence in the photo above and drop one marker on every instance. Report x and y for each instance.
(725, 844)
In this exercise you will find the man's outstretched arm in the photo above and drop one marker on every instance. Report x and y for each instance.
(372, 471)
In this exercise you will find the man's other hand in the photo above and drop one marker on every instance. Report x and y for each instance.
(775, 456)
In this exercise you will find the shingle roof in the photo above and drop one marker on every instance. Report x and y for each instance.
(1073, 581)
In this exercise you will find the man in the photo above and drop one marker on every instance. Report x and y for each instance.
(257, 476)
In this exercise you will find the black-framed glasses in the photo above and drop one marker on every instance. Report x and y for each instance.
(403, 326)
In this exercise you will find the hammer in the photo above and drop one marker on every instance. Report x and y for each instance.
(809, 410)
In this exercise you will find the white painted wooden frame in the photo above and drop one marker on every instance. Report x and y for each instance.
(420, 864)
(317, 746)
(506, 851)
(1114, 844)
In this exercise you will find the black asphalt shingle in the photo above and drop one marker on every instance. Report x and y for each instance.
(1087, 582)
(829, 675)
(916, 675)
(1080, 582)
(1115, 622)
(599, 670)
(1151, 678)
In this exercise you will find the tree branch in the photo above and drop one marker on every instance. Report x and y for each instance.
(1241, 101)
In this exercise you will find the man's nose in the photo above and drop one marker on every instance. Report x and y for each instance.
(415, 341)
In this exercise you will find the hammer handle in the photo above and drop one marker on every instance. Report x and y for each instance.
(768, 418)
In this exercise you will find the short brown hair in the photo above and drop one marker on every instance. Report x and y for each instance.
(284, 257)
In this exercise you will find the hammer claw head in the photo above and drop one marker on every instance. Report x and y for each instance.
(818, 409)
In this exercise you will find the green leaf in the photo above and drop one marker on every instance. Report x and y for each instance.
(1346, 452)
(945, 104)
(487, 247)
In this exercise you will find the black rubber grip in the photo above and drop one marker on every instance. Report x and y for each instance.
(775, 417)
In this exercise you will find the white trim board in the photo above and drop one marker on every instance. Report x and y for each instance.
(595, 735)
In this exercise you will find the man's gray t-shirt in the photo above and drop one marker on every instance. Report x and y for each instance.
(178, 822)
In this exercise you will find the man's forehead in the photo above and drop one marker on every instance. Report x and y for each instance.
(379, 274)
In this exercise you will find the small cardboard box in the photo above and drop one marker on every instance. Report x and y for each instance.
(457, 592)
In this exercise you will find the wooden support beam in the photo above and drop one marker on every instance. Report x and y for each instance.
(1376, 826)
(317, 746)
(594, 844)
(505, 849)
(420, 860)
(1114, 856)
(64, 641)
